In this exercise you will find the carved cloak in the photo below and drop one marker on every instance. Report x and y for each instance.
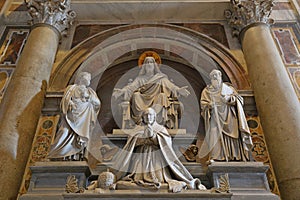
(152, 162)
(231, 118)
(155, 92)
(77, 122)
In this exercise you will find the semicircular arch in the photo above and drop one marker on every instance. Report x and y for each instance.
(98, 52)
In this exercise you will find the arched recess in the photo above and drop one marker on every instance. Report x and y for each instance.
(100, 51)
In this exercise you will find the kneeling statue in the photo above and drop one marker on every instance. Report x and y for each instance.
(148, 160)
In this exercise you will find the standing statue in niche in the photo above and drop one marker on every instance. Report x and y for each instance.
(148, 160)
(80, 107)
(152, 88)
(227, 133)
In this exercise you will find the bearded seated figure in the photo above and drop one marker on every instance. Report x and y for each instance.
(148, 161)
(151, 88)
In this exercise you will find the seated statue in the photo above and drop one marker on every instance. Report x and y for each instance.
(152, 88)
(80, 107)
(148, 160)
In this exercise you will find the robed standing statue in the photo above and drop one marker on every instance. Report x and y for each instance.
(80, 106)
(227, 133)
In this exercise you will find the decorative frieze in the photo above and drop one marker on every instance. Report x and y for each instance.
(56, 13)
(246, 12)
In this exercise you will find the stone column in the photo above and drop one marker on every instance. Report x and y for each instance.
(22, 103)
(276, 100)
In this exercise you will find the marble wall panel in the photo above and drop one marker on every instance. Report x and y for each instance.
(294, 73)
(288, 45)
(213, 30)
(5, 75)
(283, 6)
(12, 43)
(83, 32)
(287, 37)
(2, 4)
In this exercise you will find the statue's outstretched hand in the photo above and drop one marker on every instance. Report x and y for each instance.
(117, 93)
(183, 91)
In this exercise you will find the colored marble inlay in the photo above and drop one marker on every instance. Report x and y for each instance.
(259, 150)
(45, 133)
(5, 75)
(288, 45)
(1, 4)
(12, 45)
(44, 136)
(294, 73)
(215, 31)
(83, 32)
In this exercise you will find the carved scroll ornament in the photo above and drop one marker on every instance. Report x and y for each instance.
(246, 12)
(52, 12)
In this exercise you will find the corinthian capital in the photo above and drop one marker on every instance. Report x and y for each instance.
(56, 13)
(247, 12)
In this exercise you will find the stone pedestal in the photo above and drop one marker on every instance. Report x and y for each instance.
(48, 180)
(132, 131)
(247, 180)
(196, 170)
(150, 195)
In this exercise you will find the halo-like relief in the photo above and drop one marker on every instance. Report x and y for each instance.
(149, 54)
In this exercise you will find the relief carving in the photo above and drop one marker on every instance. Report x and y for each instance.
(72, 185)
(224, 186)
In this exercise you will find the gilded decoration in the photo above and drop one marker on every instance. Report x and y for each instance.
(151, 54)
(260, 151)
(56, 13)
(244, 13)
(40, 147)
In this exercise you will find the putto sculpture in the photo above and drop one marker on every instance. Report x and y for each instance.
(80, 106)
(227, 133)
(152, 88)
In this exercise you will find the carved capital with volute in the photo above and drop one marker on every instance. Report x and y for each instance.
(245, 13)
(56, 13)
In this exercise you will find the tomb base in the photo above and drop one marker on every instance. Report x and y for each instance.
(140, 128)
(247, 180)
(48, 179)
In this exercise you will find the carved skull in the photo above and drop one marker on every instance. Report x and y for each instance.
(106, 180)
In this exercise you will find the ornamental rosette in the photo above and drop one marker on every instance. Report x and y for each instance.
(56, 13)
(247, 12)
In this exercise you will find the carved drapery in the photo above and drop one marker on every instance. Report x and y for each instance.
(245, 13)
(56, 13)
